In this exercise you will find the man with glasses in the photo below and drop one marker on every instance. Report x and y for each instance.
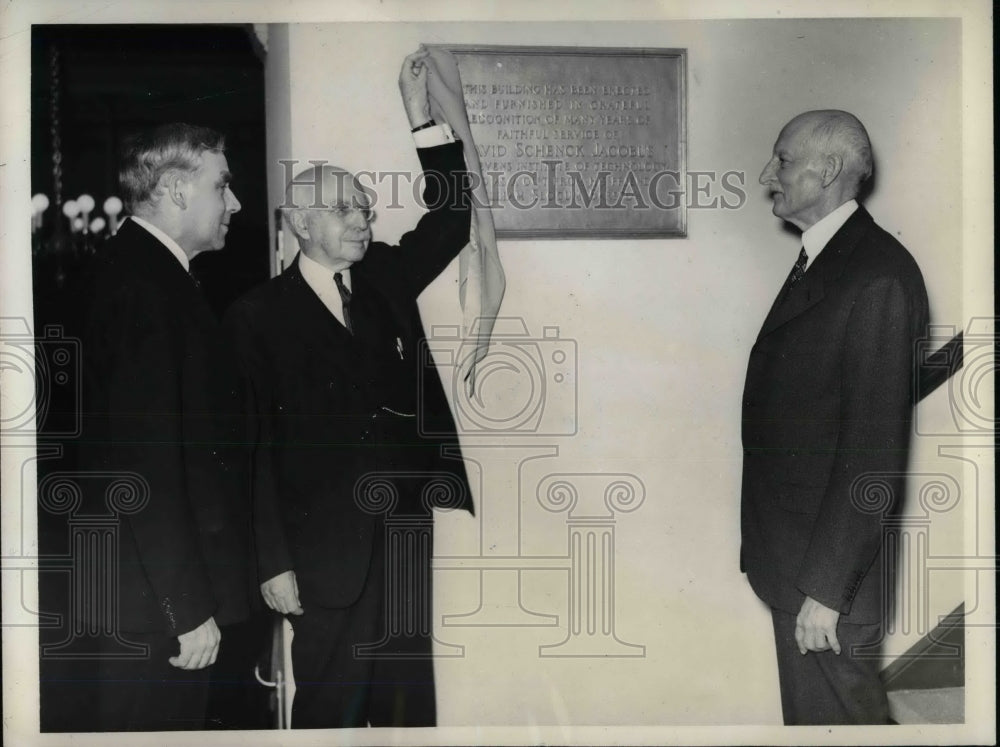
(330, 352)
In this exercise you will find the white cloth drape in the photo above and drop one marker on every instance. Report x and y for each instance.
(481, 276)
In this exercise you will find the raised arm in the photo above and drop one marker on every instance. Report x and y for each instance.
(413, 87)
(424, 252)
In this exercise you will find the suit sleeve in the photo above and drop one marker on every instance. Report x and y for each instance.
(442, 232)
(145, 369)
(875, 417)
(273, 555)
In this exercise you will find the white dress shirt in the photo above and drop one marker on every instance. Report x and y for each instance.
(320, 279)
(818, 235)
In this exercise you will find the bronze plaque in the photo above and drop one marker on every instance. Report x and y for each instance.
(579, 142)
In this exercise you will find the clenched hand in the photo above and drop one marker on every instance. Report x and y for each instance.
(816, 627)
(413, 87)
(199, 647)
(282, 593)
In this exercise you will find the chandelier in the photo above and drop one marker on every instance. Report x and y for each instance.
(65, 237)
(77, 213)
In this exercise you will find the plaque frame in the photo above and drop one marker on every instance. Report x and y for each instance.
(673, 223)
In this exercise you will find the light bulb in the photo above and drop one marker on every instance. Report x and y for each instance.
(71, 209)
(39, 203)
(86, 203)
(112, 206)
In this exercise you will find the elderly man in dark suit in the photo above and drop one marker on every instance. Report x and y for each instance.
(331, 354)
(827, 404)
(161, 402)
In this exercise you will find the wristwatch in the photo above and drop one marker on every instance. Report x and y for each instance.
(424, 126)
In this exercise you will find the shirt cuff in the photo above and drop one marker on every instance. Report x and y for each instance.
(432, 136)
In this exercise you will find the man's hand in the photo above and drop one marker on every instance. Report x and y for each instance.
(413, 87)
(282, 593)
(816, 627)
(199, 647)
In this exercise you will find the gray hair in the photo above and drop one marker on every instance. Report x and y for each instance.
(147, 156)
(842, 133)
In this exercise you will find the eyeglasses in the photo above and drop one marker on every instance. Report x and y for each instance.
(343, 212)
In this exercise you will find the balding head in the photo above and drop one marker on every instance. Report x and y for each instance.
(841, 133)
(329, 212)
(319, 186)
(818, 163)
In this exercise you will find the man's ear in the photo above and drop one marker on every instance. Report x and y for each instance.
(833, 164)
(297, 222)
(174, 184)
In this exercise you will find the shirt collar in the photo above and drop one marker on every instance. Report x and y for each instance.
(318, 276)
(819, 234)
(168, 242)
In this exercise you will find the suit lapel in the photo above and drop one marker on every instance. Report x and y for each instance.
(367, 361)
(307, 309)
(824, 272)
(144, 254)
(373, 318)
(325, 342)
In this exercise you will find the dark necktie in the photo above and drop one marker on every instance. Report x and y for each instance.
(799, 268)
(345, 299)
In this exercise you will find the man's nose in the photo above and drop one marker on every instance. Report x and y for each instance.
(232, 204)
(767, 174)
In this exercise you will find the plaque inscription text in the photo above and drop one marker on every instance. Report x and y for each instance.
(579, 142)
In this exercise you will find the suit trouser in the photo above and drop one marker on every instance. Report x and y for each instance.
(236, 699)
(394, 685)
(108, 692)
(150, 694)
(821, 687)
